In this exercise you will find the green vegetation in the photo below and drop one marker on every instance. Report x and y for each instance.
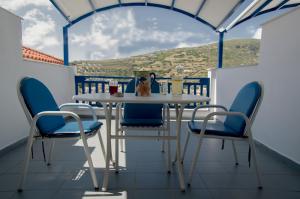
(196, 60)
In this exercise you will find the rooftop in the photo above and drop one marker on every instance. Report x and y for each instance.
(29, 53)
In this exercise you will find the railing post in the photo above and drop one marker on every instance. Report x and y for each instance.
(66, 46)
(220, 50)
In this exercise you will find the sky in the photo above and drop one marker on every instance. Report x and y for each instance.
(119, 32)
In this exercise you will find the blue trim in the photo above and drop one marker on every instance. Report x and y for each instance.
(260, 8)
(66, 46)
(92, 5)
(60, 11)
(140, 4)
(230, 13)
(220, 49)
(120, 3)
(200, 8)
(173, 3)
(282, 4)
(267, 11)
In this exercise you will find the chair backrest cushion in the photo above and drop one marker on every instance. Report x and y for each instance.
(38, 98)
(142, 111)
(244, 102)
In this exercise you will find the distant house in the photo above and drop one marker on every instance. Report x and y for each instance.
(29, 53)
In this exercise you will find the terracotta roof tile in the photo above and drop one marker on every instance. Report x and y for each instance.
(29, 53)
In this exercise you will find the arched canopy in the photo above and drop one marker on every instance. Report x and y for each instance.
(213, 13)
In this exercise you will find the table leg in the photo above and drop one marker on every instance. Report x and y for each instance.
(108, 111)
(178, 148)
(117, 140)
(177, 113)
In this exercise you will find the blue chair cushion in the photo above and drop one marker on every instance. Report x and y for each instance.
(142, 111)
(71, 129)
(214, 128)
(142, 122)
(244, 102)
(38, 98)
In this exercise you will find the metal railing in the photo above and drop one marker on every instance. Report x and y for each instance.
(100, 84)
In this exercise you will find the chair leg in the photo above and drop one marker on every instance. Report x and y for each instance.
(185, 146)
(26, 160)
(252, 145)
(163, 143)
(169, 153)
(50, 152)
(122, 142)
(101, 144)
(90, 162)
(235, 153)
(117, 153)
(194, 162)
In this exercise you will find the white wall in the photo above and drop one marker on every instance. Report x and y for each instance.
(59, 79)
(277, 122)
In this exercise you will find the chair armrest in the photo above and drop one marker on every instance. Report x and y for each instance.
(207, 106)
(80, 106)
(242, 115)
(58, 113)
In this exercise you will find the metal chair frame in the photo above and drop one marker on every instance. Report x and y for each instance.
(121, 133)
(34, 135)
(247, 136)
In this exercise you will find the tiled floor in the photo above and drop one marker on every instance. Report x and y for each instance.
(143, 173)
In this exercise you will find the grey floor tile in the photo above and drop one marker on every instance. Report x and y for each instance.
(9, 182)
(229, 181)
(281, 182)
(34, 194)
(153, 181)
(113, 194)
(6, 195)
(251, 194)
(154, 193)
(52, 181)
(80, 180)
(192, 194)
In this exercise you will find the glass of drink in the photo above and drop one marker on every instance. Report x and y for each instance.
(164, 88)
(113, 87)
(177, 85)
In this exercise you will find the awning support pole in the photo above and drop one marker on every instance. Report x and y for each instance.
(66, 46)
(220, 50)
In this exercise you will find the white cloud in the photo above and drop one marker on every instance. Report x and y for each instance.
(119, 29)
(39, 30)
(257, 34)
(14, 5)
(186, 44)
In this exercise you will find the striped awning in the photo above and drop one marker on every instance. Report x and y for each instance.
(214, 13)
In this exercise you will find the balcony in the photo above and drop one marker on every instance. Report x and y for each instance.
(143, 173)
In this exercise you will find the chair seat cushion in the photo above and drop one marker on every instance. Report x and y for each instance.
(71, 129)
(142, 122)
(213, 128)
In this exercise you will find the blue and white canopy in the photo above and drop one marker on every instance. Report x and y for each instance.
(214, 13)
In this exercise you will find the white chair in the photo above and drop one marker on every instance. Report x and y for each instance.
(141, 117)
(236, 127)
(47, 122)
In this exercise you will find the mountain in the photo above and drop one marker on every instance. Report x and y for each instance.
(196, 60)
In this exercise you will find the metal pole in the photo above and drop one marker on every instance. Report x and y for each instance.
(220, 50)
(66, 46)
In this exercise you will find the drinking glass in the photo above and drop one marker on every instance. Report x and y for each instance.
(113, 87)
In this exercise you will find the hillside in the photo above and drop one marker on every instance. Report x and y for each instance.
(196, 60)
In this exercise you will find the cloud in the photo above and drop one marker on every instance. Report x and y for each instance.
(257, 34)
(111, 31)
(15, 5)
(186, 44)
(39, 30)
